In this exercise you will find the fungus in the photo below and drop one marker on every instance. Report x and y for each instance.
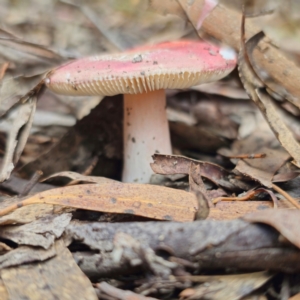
(142, 75)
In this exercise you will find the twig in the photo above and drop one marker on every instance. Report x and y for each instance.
(285, 195)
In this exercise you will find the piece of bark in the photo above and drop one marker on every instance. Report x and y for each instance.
(25, 255)
(99, 265)
(56, 278)
(106, 289)
(41, 232)
(208, 244)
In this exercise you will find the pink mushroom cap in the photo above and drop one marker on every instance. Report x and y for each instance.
(169, 65)
(142, 75)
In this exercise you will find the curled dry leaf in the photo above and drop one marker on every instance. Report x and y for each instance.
(150, 201)
(264, 169)
(81, 178)
(281, 23)
(197, 186)
(257, 92)
(175, 164)
(256, 44)
(17, 137)
(224, 24)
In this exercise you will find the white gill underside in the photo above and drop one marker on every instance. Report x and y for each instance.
(134, 85)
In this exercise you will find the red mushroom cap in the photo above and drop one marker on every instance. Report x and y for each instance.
(170, 65)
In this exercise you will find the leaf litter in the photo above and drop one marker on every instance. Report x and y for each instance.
(223, 149)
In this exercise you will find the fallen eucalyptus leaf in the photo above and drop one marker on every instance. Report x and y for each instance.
(146, 200)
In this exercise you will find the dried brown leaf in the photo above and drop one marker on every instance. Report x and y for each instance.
(175, 164)
(224, 25)
(232, 287)
(197, 187)
(257, 92)
(115, 197)
(285, 221)
(283, 177)
(282, 132)
(256, 44)
(264, 169)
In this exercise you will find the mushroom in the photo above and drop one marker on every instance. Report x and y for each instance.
(142, 75)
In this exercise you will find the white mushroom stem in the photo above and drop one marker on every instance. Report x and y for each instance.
(146, 131)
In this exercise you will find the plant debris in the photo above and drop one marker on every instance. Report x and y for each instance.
(219, 219)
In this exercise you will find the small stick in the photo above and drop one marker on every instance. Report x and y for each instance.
(248, 196)
(247, 156)
(285, 195)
